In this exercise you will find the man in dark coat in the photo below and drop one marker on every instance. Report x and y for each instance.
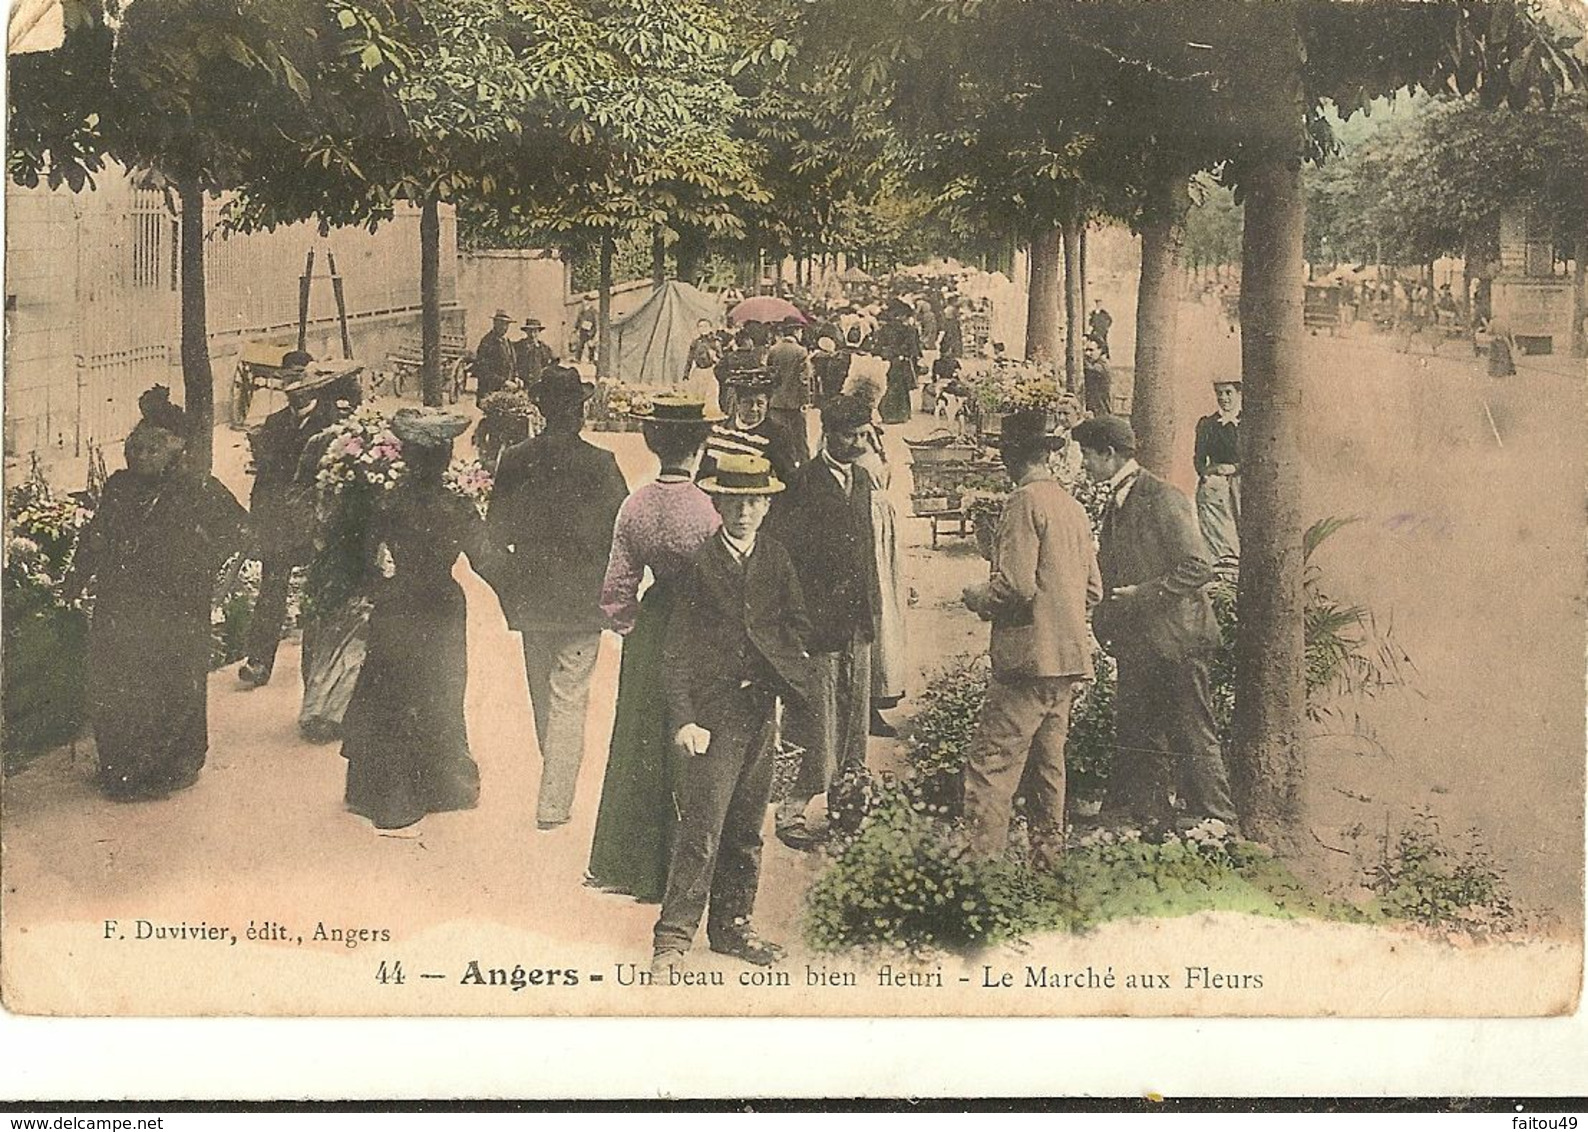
(1156, 619)
(735, 644)
(549, 530)
(493, 358)
(281, 510)
(824, 519)
(829, 367)
(531, 356)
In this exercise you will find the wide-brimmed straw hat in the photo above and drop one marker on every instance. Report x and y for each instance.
(742, 475)
(427, 428)
(680, 409)
(314, 377)
(747, 378)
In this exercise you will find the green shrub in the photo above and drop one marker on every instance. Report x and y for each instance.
(907, 881)
(1424, 879)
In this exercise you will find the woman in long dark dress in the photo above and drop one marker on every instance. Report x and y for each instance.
(404, 736)
(153, 548)
(659, 528)
(899, 342)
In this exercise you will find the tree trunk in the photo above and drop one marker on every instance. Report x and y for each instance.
(1152, 412)
(690, 251)
(198, 379)
(430, 301)
(658, 257)
(1074, 312)
(604, 359)
(1086, 294)
(1270, 699)
(1580, 292)
(1044, 340)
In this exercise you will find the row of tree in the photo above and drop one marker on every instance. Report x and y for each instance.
(783, 126)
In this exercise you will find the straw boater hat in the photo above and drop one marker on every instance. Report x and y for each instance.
(680, 409)
(427, 428)
(742, 475)
(1218, 381)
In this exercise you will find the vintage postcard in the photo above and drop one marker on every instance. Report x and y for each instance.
(794, 509)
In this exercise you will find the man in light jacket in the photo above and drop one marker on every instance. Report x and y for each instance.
(1044, 580)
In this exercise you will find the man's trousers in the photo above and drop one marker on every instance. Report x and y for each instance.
(833, 728)
(721, 797)
(1167, 739)
(1019, 742)
(559, 665)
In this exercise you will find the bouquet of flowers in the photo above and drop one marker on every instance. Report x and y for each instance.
(469, 480)
(1013, 387)
(364, 455)
(41, 536)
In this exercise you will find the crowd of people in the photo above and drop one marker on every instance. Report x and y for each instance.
(754, 581)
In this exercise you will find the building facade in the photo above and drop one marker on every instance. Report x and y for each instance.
(92, 288)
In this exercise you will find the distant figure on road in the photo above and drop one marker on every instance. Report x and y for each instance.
(1099, 324)
(1218, 468)
(1096, 380)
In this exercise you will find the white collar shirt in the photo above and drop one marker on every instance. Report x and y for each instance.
(1120, 483)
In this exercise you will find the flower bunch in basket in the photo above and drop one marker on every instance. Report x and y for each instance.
(1014, 387)
(622, 400)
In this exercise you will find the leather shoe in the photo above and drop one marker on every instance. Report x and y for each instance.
(751, 948)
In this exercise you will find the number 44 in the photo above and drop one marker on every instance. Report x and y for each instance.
(389, 973)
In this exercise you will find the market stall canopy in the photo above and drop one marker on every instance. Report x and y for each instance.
(767, 308)
(652, 344)
(856, 275)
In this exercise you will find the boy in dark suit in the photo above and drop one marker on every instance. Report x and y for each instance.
(735, 644)
(1156, 619)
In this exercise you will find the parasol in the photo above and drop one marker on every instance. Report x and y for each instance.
(767, 308)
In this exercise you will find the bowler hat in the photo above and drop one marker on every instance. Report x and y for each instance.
(679, 409)
(742, 475)
(844, 412)
(559, 386)
(1027, 428)
(1105, 432)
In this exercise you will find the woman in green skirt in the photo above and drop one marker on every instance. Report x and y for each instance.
(659, 528)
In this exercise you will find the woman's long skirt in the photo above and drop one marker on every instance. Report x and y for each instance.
(334, 647)
(1219, 515)
(636, 818)
(888, 660)
(148, 667)
(895, 407)
(404, 736)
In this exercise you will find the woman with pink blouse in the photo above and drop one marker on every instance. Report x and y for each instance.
(659, 528)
